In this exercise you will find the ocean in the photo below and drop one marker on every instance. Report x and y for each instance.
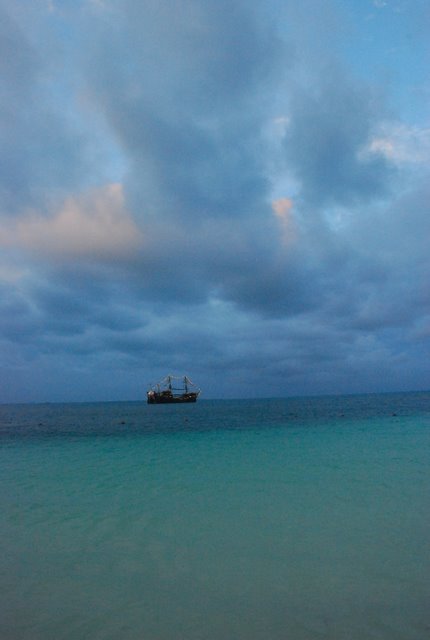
(278, 519)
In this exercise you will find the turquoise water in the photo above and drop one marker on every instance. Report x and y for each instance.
(295, 519)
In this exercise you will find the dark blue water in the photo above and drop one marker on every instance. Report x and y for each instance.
(287, 519)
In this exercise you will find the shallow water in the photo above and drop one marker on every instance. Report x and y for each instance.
(294, 519)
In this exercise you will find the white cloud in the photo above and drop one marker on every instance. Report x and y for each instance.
(280, 125)
(401, 144)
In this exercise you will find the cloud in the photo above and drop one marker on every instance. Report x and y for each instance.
(329, 124)
(209, 188)
(188, 114)
(92, 226)
(283, 210)
(49, 142)
(401, 144)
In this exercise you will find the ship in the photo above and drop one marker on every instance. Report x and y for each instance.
(168, 391)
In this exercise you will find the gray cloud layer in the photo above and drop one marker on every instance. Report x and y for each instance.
(189, 266)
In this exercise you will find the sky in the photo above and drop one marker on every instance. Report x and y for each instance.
(236, 190)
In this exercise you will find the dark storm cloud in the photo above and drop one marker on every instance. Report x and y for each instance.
(43, 147)
(186, 105)
(17, 320)
(189, 116)
(259, 264)
(398, 245)
(331, 123)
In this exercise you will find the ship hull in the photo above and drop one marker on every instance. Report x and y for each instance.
(161, 398)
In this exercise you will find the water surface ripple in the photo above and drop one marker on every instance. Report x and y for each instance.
(291, 519)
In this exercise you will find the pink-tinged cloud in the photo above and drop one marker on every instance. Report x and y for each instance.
(283, 210)
(93, 225)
